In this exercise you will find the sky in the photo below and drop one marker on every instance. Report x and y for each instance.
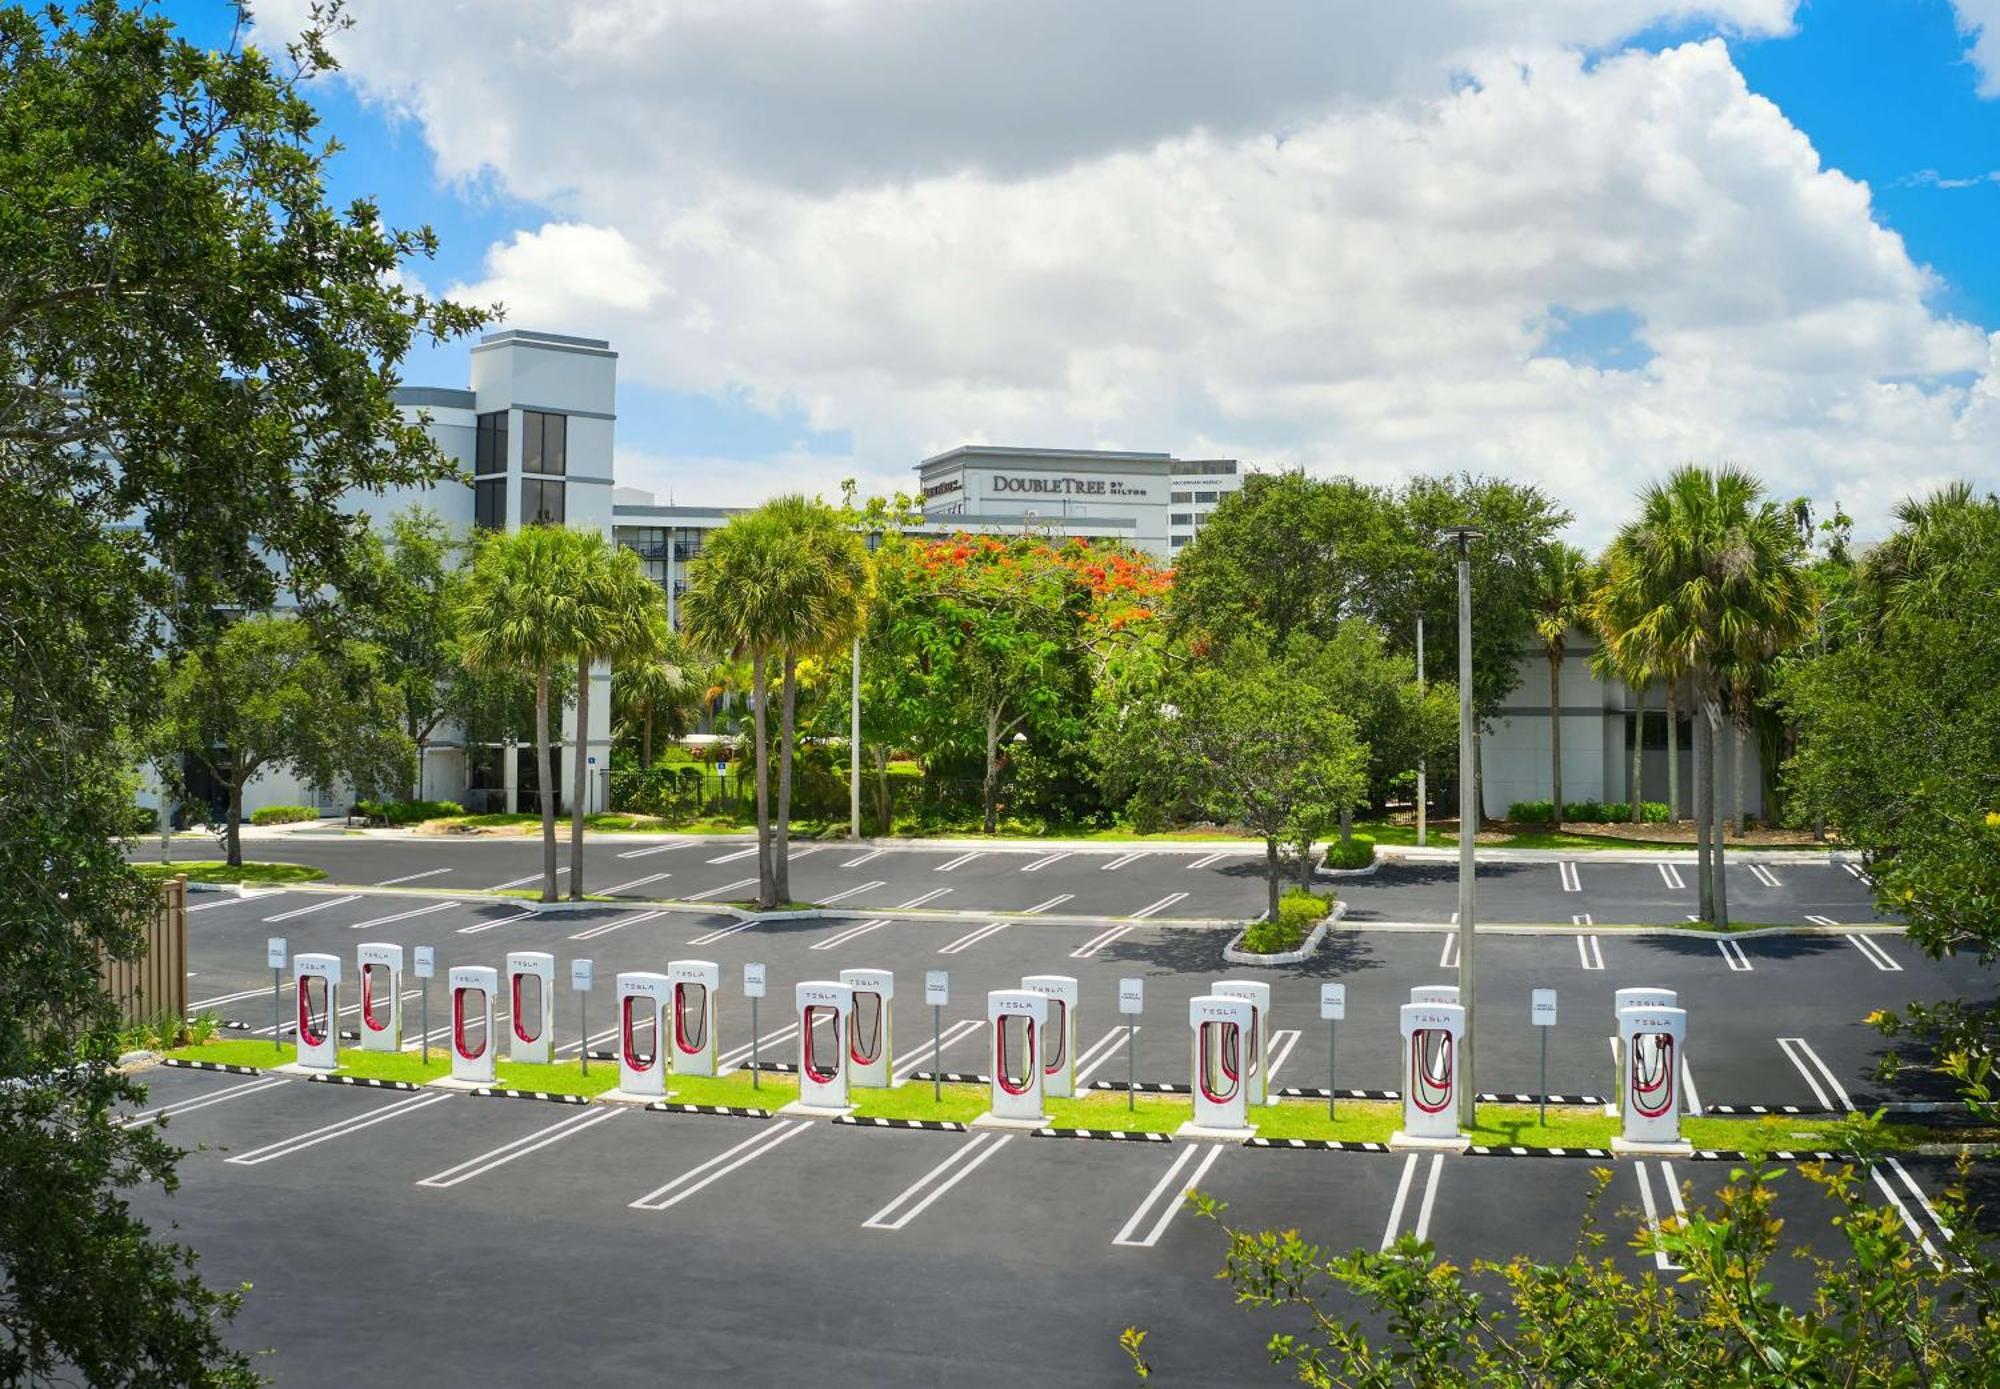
(1569, 242)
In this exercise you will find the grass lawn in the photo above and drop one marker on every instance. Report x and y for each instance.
(912, 1100)
(769, 1090)
(534, 894)
(216, 871)
(561, 1078)
(1105, 1109)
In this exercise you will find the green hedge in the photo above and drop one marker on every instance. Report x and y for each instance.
(1298, 913)
(409, 812)
(282, 814)
(1357, 852)
(1588, 812)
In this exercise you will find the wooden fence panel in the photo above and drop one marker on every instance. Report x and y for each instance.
(156, 982)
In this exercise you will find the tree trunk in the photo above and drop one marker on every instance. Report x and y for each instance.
(1273, 874)
(1346, 824)
(781, 830)
(646, 739)
(882, 786)
(991, 792)
(1555, 740)
(235, 823)
(760, 684)
(1305, 865)
(416, 791)
(1636, 783)
(545, 775)
(1712, 712)
(1673, 757)
(166, 824)
(1706, 880)
(580, 781)
(1736, 773)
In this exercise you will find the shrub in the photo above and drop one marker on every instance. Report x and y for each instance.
(1587, 812)
(1298, 913)
(1357, 852)
(408, 812)
(140, 819)
(282, 814)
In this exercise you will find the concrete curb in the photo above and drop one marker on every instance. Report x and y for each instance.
(927, 1125)
(1105, 1135)
(500, 1092)
(1373, 867)
(364, 1082)
(179, 1063)
(728, 1111)
(1235, 955)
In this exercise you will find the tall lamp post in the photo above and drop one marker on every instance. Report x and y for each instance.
(1468, 821)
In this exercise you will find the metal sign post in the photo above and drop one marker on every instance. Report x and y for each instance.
(1542, 1013)
(1332, 1007)
(753, 989)
(579, 982)
(937, 993)
(274, 956)
(426, 967)
(1131, 1001)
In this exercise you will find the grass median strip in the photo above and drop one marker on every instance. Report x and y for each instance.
(959, 1104)
(216, 871)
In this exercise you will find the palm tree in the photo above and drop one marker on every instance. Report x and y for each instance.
(1560, 600)
(1714, 580)
(1613, 660)
(1927, 530)
(662, 692)
(520, 614)
(622, 616)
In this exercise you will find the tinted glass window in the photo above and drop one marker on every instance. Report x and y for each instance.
(1183, 496)
(544, 442)
(490, 446)
(1204, 496)
(1183, 518)
(489, 504)
(541, 502)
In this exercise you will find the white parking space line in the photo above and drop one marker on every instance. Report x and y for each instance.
(1874, 953)
(851, 933)
(721, 1165)
(732, 857)
(972, 938)
(1422, 1228)
(1671, 876)
(239, 995)
(1815, 920)
(1692, 1103)
(1590, 952)
(1854, 872)
(1581, 919)
(1917, 1192)
(326, 1133)
(480, 928)
(919, 1059)
(723, 933)
(1159, 906)
(846, 893)
(940, 1179)
(1097, 1053)
(920, 899)
(1053, 902)
(233, 901)
(637, 882)
(619, 923)
(234, 1092)
(1098, 942)
(523, 882)
(1733, 955)
(857, 862)
(1282, 1042)
(1571, 882)
(1764, 875)
(1039, 864)
(412, 877)
(1174, 1187)
(1448, 957)
(959, 862)
(736, 886)
(1909, 1221)
(1660, 1259)
(566, 1127)
(1207, 859)
(658, 849)
(1124, 859)
(319, 906)
(1807, 1061)
(794, 855)
(737, 1055)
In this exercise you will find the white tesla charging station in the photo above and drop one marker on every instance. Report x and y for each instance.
(316, 985)
(695, 986)
(824, 1007)
(642, 1005)
(531, 996)
(1434, 993)
(1431, 1033)
(472, 989)
(1650, 1039)
(1220, 1026)
(1018, 1018)
(1058, 1039)
(381, 970)
(1256, 1052)
(871, 1031)
(1620, 1001)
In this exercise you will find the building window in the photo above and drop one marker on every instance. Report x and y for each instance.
(1180, 497)
(1183, 518)
(489, 454)
(1179, 541)
(544, 442)
(541, 502)
(1205, 497)
(489, 504)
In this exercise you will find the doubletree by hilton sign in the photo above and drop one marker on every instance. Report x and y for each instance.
(1065, 486)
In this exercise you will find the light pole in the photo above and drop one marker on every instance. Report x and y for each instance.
(1423, 760)
(1468, 821)
(854, 747)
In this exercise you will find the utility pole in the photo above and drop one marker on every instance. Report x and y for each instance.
(854, 746)
(1468, 820)
(1423, 789)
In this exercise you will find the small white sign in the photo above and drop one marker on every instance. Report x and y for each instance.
(1542, 1008)
(1332, 1002)
(427, 961)
(753, 981)
(1131, 996)
(937, 988)
(274, 953)
(579, 976)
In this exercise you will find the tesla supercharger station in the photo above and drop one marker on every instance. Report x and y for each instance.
(1256, 1042)
(531, 997)
(1018, 1018)
(1434, 993)
(1431, 1032)
(1620, 1001)
(1649, 1095)
(695, 986)
(1221, 1025)
(316, 985)
(472, 989)
(381, 970)
(1058, 1040)
(642, 1009)
(871, 1040)
(824, 1007)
